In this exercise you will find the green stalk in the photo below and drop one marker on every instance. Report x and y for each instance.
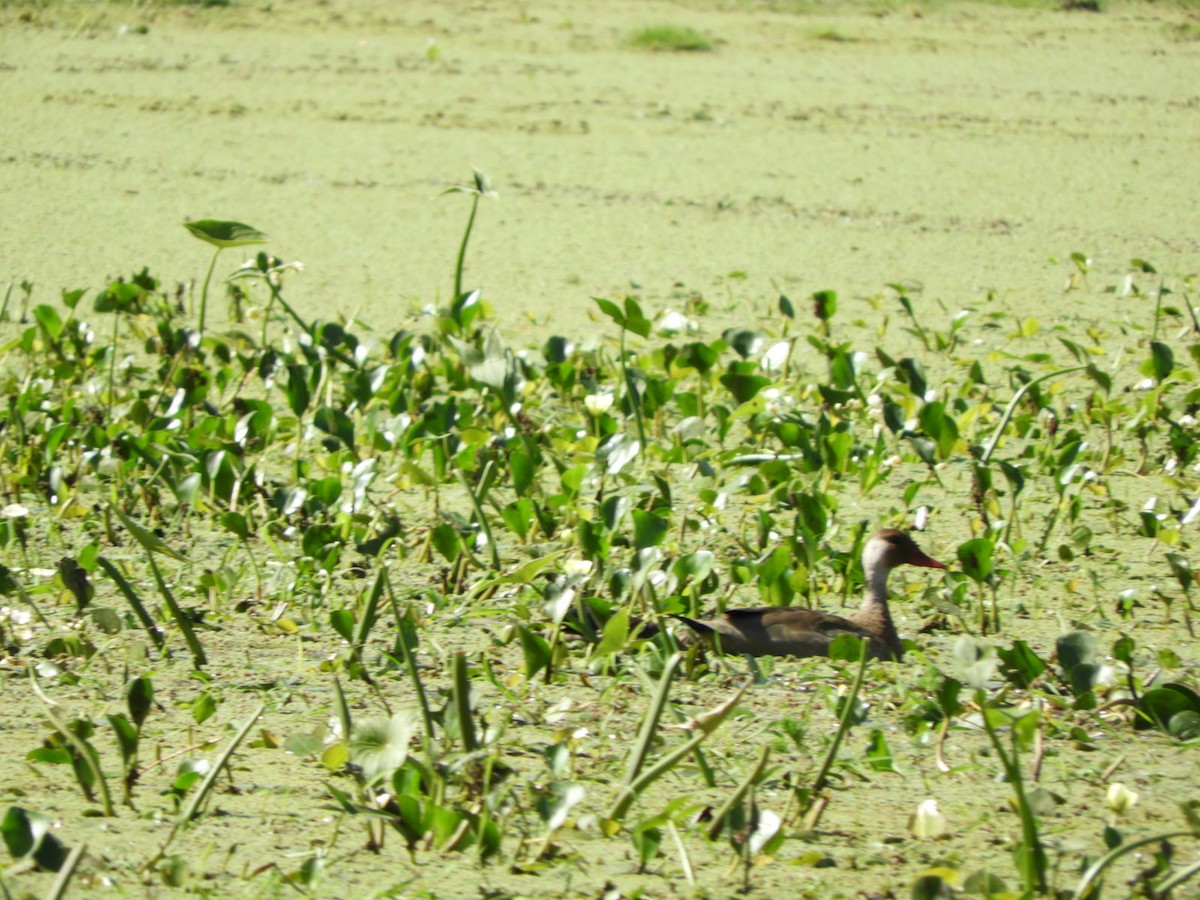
(204, 290)
(479, 514)
(206, 786)
(735, 799)
(1012, 406)
(461, 691)
(85, 750)
(1031, 857)
(822, 778)
(645, 738)
(135, 602)
(462, 250)
(58, 890)
(634, 400)
(1096, 869)
(633, 790)
(199, 659)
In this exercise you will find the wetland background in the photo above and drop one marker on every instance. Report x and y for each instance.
(1010, 162)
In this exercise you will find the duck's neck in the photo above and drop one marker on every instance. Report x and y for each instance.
(873, 615)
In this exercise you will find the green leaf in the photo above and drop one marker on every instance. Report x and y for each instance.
(204, 707)
(649, 528)
(974, 661)
(221, 233)
(879, 755)
(824, 305)
(975, 556)
(635, 321)
(303, 745)
(28, 835)
(139, 697)
(616, 635)
(1022, 666)
(235, 522)
(1074, 649)
(1158, 707)
(611, 310)
(150, 541)
(342, 621)
(446, 539)
(536, 650)
(336, 423)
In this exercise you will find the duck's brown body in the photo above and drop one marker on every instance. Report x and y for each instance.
(782, 631)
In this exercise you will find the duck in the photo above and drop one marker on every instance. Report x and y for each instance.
(784, 631)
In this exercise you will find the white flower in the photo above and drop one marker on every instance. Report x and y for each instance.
(577, 567)
(1119, 798)
(927, 821)
(598, 404)
(672, 323)
(776, 356)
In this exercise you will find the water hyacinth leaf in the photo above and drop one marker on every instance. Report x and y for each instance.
(560, 594)
(1161, 362)
(380, 745)
(744, 386)
(611, 310)
(335, 423)
(695, 566)
(912, 373)
(940, 426)
(236, 523)
(615, 636)
(522, 470)
(974, 661)
(824, 305)
(342, 621)
(47, 317)
(879, 754)
(617, 452)
(744, 342)
(1185, 725)
(29, 835)
(1075, 649)
(649, 528)
(536, 652)
(139, 697)
(556, 803)
(1021, 665)
(847, 648)
(223, 233)
(446, 539)
(204, 707)
(975, 556)
(1157, 707)
(1122, 649)
(635, 319)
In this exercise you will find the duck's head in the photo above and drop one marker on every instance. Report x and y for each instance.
(891, 547)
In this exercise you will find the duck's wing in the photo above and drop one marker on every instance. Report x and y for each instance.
(774, 631)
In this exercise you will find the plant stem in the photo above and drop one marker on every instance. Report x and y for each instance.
(822, 778)
(204, 290)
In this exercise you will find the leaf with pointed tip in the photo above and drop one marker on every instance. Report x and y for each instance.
(635, 320)
(222, 233)
(150, 541)
(611, 310)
